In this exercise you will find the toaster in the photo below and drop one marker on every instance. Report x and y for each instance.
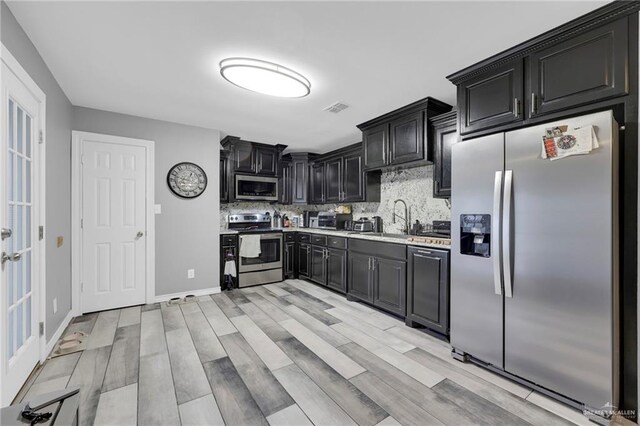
(362, 226)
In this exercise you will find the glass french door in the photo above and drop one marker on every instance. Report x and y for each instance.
(19, 297)
(19, 218)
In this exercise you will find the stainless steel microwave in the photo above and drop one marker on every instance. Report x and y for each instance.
(256, 188)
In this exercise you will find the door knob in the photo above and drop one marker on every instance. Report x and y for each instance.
(5, 233)
(139, 234)
(12, 257)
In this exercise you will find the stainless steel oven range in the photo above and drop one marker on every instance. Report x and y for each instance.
(267, 267)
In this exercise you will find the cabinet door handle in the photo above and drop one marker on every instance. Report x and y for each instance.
(424, 252)
(516, 107)
(534, 103)
(369, 263)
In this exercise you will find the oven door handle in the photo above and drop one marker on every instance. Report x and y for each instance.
(271, 236)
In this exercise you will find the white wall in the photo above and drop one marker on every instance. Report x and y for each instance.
(187, 231)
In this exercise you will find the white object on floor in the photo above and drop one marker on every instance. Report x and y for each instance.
(230, 268)
(250, 246)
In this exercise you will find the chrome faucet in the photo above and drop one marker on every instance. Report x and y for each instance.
(405, 218)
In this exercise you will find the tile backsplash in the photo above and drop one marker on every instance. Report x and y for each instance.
(414, 186)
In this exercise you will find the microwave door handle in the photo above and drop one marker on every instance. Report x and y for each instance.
(506, 234)
(495, 240)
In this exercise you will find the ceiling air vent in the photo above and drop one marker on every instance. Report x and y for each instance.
(336, 108)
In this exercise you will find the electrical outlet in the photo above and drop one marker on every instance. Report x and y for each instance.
(191, 273)
(55, 305)
(157, 208)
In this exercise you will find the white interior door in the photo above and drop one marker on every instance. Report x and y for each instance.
(19, 216)
(114, 224)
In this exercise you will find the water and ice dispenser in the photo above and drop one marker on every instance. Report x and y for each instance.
(475, 234)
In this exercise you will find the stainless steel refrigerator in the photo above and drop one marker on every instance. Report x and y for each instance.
(538, 297)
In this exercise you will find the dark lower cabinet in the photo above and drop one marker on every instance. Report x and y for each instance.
(290, 260)
(378, 274)
(389, 284)
(228, 250)
(337, 269)
(327, 266)
(304, 260)
(360, 283)
(428, 289)
(318, 265)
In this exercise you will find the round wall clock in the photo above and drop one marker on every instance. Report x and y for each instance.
(187, 180)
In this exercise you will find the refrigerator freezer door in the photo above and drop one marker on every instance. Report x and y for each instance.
(559, 322)
(476, 310)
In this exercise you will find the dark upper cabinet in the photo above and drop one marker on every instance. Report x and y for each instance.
(445, 134)
(492, 98)
(578, 66)
(354, 186)
(337, 269)
(428, 289)
(333, 180)
(224, 176)
(289, 260)
(375, 141)
(252, 157)
(244, 158)
(266, 161)
(400, 137)
(339, 176)
(586, 68)
(316, 183)
(389, 284)
(285, 182)
(360, 282)
(318, 265)
(406, 138)
(300, 177)
(304, 259)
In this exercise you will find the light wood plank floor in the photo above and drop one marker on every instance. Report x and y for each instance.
(283, 354)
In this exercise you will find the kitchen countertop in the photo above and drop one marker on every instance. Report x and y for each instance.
(350, 234)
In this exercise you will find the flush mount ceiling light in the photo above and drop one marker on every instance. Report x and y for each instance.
(264, 77)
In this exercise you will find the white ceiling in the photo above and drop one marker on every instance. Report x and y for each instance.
(160, 59)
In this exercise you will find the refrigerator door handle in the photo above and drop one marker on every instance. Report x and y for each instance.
(495, 241)
(506, 234)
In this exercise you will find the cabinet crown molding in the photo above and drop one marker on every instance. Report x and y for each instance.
(607, 13)
(433, 105)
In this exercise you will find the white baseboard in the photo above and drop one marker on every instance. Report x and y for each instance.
(56, 336)
(203, 292)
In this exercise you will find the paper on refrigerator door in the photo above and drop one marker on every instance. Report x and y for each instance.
(560, 143)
